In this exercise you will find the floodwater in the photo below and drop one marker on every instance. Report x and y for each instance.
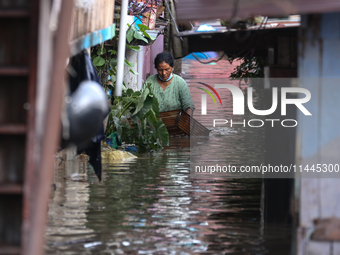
(153, 205)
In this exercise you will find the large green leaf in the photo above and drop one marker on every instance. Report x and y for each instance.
(127, 107)
(134, 48)
(162, 132)
(113, 78)
(129, 92)
(98, 61)
(141, 100)
(130, 64)
(130, 35)
(155, 105)
(148, 103)
(118, 127)
(142, 27)
(127, 100)
(138, 36)
(151, 117)
(137, 93)
(139, 125)
(149, 36)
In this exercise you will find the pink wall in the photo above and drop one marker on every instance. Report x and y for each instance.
(150, 52)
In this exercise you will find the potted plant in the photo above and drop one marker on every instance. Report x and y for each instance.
(145, 8)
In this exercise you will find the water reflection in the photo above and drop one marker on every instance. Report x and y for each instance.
(69, 205)
(153, 205)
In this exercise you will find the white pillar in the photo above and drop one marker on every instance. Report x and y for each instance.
(121, 47)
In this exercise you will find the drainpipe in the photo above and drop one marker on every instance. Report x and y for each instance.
(121, 47)
(140, 60)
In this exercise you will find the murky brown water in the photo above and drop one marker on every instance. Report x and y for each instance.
(153, 205)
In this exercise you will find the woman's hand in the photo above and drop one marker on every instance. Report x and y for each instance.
(189, 111)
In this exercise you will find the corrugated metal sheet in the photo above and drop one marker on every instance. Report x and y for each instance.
(192, 10)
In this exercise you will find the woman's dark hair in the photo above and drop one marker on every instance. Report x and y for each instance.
(164, 57)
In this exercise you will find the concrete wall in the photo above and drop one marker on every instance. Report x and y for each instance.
(130, 79)
(318, 136)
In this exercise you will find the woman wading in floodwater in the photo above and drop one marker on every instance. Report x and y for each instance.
(170, 89)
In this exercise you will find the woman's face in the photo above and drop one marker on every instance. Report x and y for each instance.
(164, 70)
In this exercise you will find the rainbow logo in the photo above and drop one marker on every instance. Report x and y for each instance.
(209, 93)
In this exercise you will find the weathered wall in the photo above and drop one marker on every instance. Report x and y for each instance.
(90, 16)
(318, 137)
(130, 79)
(150, 52)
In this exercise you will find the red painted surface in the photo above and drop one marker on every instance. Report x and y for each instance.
(211, 74)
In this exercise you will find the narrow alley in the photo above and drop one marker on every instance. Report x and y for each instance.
(153, 205)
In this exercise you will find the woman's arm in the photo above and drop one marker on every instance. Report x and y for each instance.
(185, 97)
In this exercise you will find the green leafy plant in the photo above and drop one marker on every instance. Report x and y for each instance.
(135, 117)
(138, 34)
(105, 57)
(105, 61)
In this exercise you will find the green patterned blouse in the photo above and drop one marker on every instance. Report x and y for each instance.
(175, 96)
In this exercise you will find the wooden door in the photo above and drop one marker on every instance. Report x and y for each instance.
(18, 55)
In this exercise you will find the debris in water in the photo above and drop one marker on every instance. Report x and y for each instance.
(88, 245)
